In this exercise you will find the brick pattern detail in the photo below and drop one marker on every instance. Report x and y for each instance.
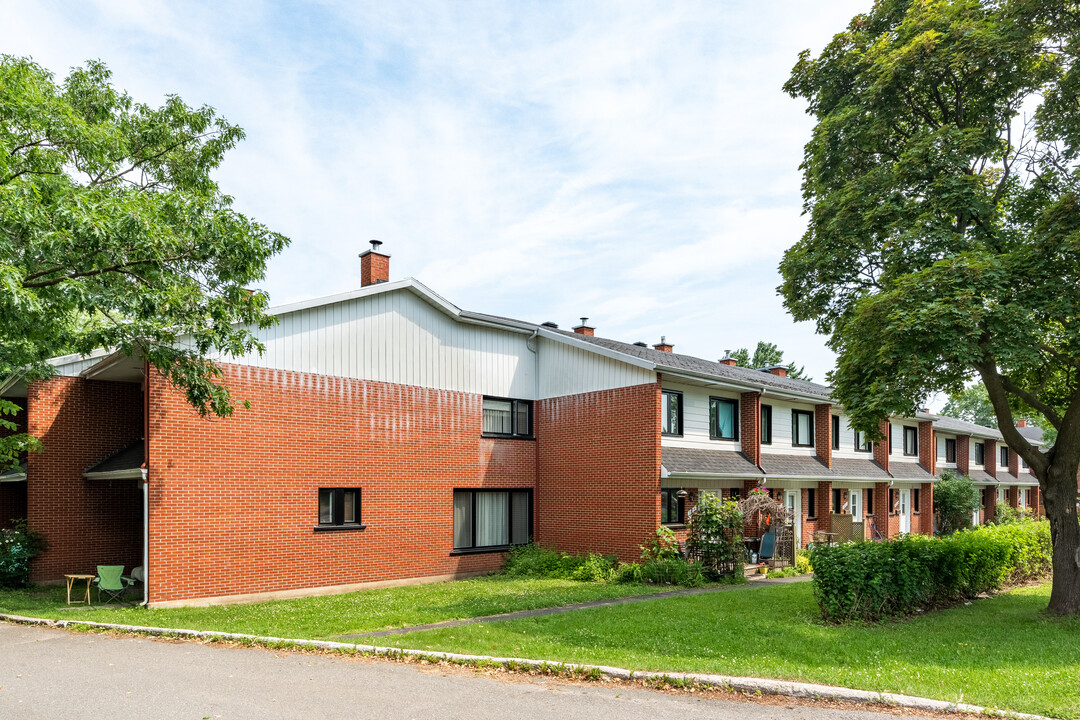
(599, 459)
(990, 455)
(823, 433)
(374, 268)
(928, 446)
(824, 506)
(963, 454)
(924, 522)
(750, 426)
(881, 448)
(234, 502)
(1014, 463)
(85, 523)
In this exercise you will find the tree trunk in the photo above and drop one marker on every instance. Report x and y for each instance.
(1059, 496)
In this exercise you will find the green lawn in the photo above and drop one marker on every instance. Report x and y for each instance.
(1000, 652)
(316, 618)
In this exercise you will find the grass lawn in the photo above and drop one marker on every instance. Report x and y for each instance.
(1000, 652)
(317, 618)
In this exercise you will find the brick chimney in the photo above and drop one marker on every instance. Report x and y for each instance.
(584, 328)
(1021, 423)
(374, 265)
(663, 345)
(778, 370)
(728, 360)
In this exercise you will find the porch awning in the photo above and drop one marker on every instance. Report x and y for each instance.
(695, 461)
(14, 474)
(121, 465)
(909, 471)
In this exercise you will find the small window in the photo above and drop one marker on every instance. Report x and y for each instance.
(915, 500)
(892, 501)
(980, 453)
(1003, 454)
(723, 419)
(950, 450)
(735, 494)
(802, 428)
(811, 505)
(889, 433)
(1023, 463)
(671, 420)
(911, 440)
(861, 443)
(836, 501)
(491, 519)
(869, 501)
(672, 507)
(339, 507)
(507, 418)
(835, 432)
(766, 424)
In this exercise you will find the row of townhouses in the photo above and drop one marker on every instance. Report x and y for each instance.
(394, 437)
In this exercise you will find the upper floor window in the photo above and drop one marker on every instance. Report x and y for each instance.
(950, 450)
(1003, 454)
(861, 443)
(802, 428)
(507, 418)
(671, 412)
(723, 419)
(835, 432)
(911, 440)
(766, 424)
(980, 453)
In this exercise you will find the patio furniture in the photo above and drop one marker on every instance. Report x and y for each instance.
(71, 581)
(111, 582)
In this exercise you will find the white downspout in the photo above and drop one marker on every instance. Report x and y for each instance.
(146, 541)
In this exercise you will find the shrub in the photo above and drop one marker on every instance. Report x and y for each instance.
(663, 544)
(802, 562)
(1005, 514)
(714, 535)
(955, 500)
(18, 546)
(535, 561)
(872, 580)
(662, 571)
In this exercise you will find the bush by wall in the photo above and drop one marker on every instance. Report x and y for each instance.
(18, 546)
(535, 561)
(874, 580)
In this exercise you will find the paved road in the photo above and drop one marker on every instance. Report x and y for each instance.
(55, 674)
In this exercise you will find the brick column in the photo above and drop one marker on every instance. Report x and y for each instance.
(990, 455)
(1014, 497)
(963, 454)
(1035, 497)
(881, 449)
(989, 503)
(824, 505)
(928, 446)
(751, 522)
(882, 508)
(823, 433)
(926, 509)
(1014, 463)
(750, 425)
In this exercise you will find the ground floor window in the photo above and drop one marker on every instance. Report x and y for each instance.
(672, 507)
(492, 518)
(915, 500)
(339, 507)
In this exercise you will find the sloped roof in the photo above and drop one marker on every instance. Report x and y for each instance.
(1032, 433)
(707, 462)
(963, 427)
(126, 461)
(14, 474)
(909, 471)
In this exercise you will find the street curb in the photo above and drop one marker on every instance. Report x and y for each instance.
(725, 682)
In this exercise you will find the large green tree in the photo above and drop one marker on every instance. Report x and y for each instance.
(942, 187)
(972, 404)
(767, 354)
(113, 233)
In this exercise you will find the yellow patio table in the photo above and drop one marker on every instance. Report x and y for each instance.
(71, 581)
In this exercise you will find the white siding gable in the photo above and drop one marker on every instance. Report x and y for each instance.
(696, 419)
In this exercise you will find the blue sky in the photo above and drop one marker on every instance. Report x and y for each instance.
(633, 162)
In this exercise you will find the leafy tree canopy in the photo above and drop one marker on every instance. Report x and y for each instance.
(114, 234)
(971, 404)
(766, 354)
(942, 188)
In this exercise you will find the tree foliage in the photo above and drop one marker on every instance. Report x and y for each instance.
(766, 354)
(114, 234)
(973, 405)
(942, 188)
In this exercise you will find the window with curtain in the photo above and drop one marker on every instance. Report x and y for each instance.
(802, 428)
(507, 418)
(911, 440)
(671, 420)
(766, 424)
(492, 518)
(339, 507)
(723, 419)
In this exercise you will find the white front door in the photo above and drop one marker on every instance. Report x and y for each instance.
(855, 499)
(905, 511)
(793, 500)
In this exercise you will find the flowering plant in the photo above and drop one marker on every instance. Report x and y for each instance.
(760, 490)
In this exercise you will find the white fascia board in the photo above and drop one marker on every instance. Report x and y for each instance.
(765, 390)
(105, 364)
(366, 291)
(713, 476)
(62, 360)
(134, 474)
(596, 349)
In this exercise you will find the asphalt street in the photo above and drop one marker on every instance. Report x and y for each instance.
(56, 674)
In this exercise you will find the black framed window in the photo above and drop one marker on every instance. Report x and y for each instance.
(811, 505)
(802, 428)
(837, 505)
(504, 417)
(492, 519)
(339, 507)
(950, 450)
(1003, 455)
(890, 438)
(861, 443)
(734, 494)
(835, 432)
(980, 453)
(869, 501)
(892, 501)
(915, 500)
(671, 412)
(911, 440)
(672, 507)
(766, 424)
(723, 419)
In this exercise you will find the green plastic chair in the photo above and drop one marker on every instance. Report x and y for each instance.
(110, 582)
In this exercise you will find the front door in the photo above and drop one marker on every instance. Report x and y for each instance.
(855, 498)
(905, 511)
(793, 500)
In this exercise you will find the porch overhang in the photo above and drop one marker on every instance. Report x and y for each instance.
(14, 474)
(125, 464)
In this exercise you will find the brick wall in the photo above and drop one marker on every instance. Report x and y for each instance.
(881, 447)
(13, 494)
(990, 455)
(823, 433)
(924, 521)
(928, 447)
(234, 502)
(963, 454)
(1014, 463)
(599, 459)
(86, 523)
(750, 426)
(989, 503)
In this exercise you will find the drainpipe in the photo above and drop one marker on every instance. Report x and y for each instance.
(145, 483)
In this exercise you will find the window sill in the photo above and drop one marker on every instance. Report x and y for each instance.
(337, 528)
(493, 436)
(676, 435)
(675, 526)
(811, 519)
(723, 439)
(483, 550)
(801, 446)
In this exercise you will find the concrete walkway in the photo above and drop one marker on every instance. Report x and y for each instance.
(540, 612)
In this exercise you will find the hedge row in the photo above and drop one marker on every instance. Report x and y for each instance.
(874, 580)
